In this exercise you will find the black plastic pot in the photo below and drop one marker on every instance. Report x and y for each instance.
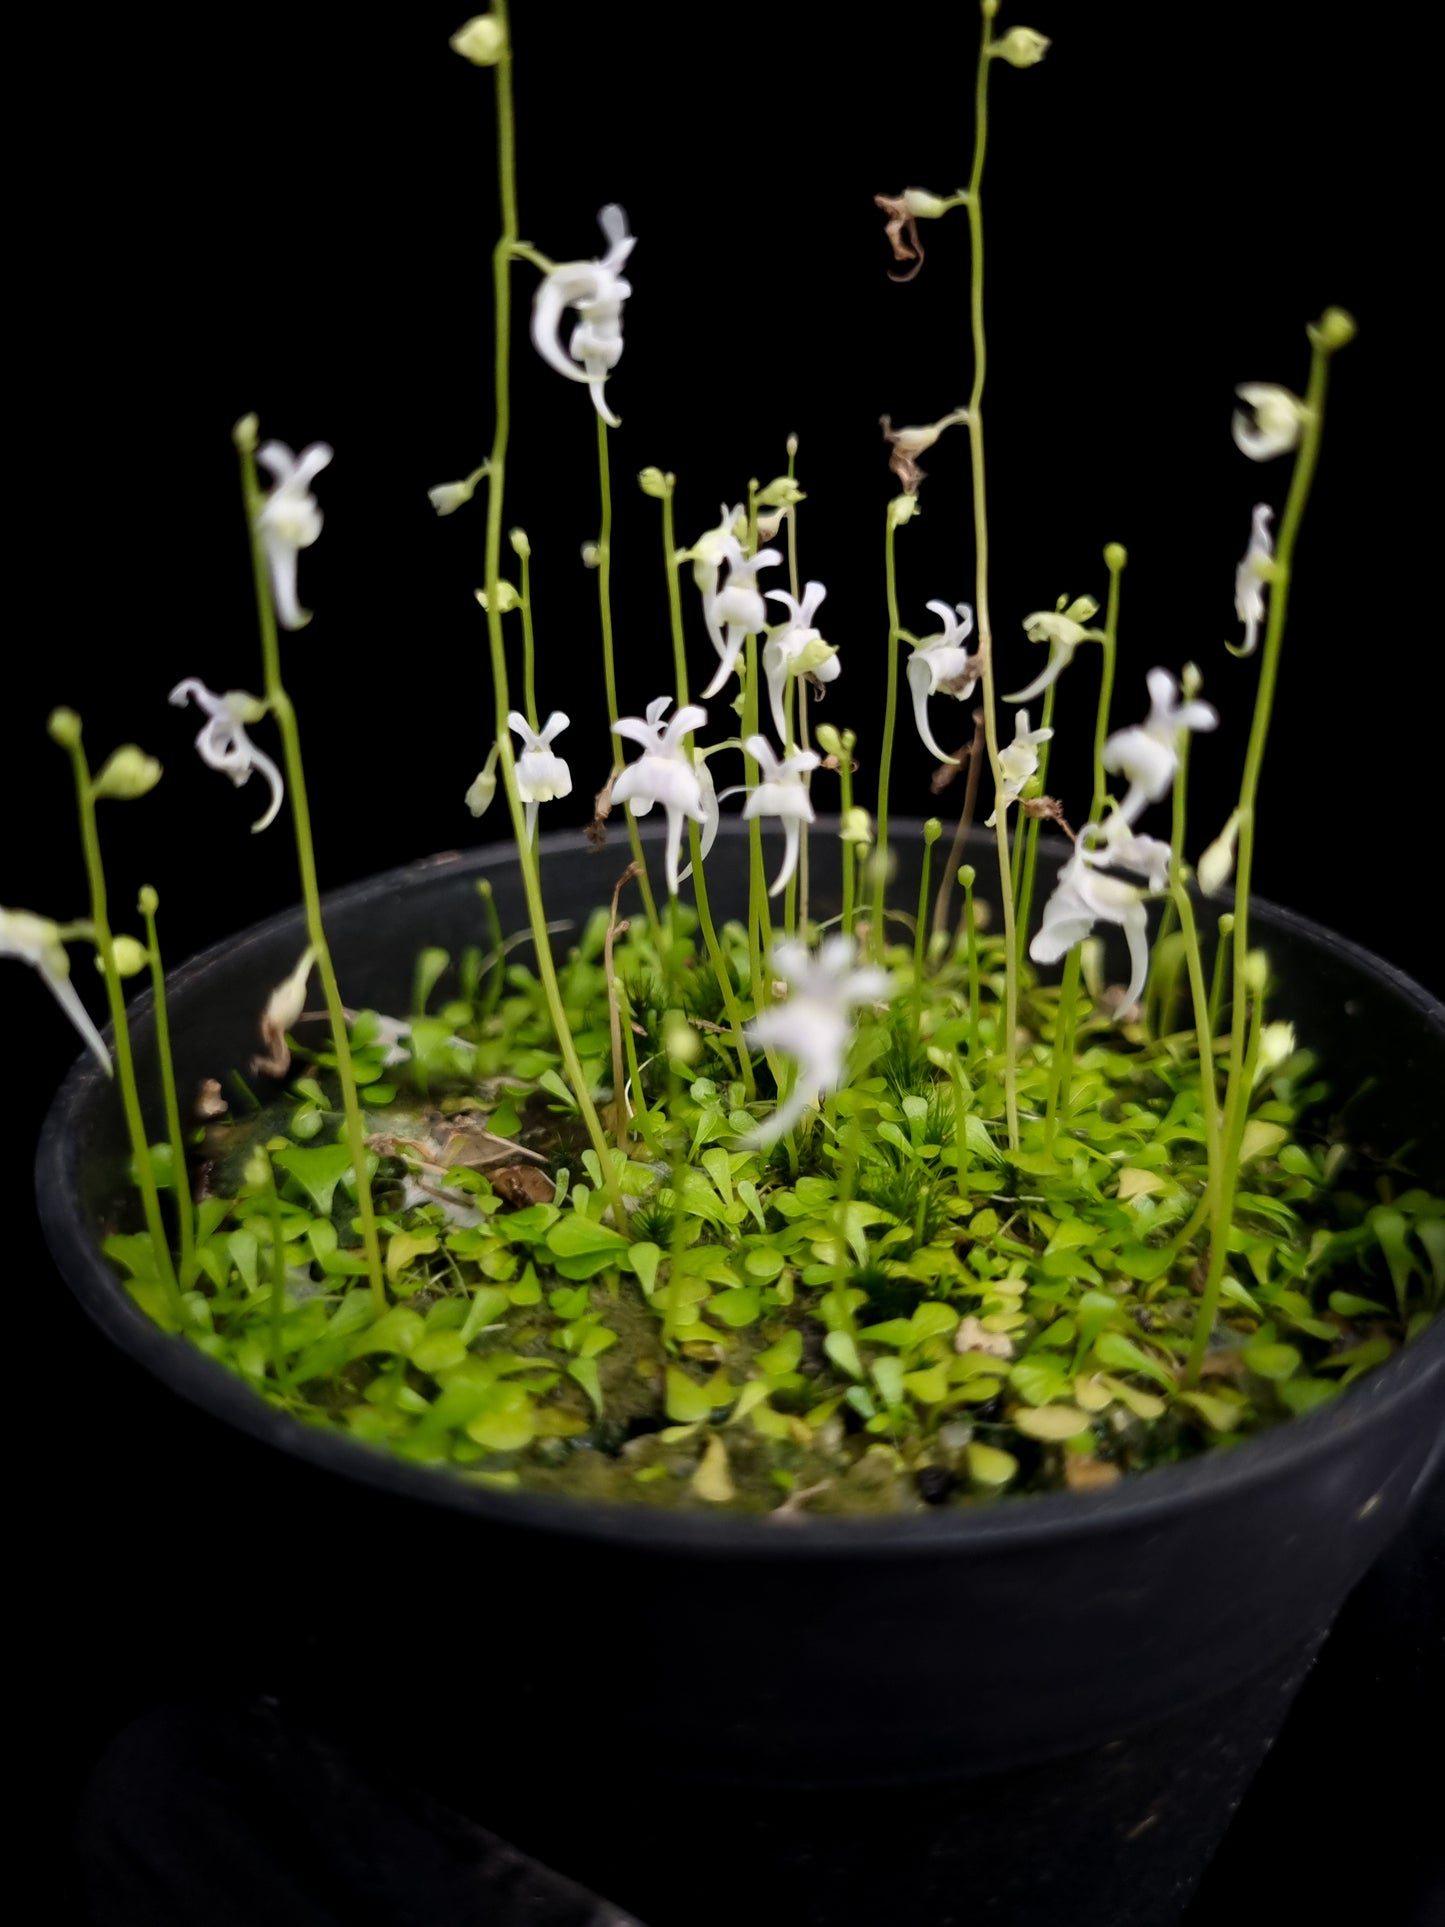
(1045, 1710)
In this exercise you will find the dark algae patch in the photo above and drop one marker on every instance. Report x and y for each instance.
(893, 1313)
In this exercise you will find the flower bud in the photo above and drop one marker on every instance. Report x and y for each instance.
(1256, 972)
(1276, 1048)
(680, 1041)
(1217, 863)
(769, 522)
(246, 433)
(791, 445)
(902, 509)
(128, 956)
(932, 830)
(1191, 681)
(780, 494)
(857, 827)
(520, 545)
(1115, 557)
(1334, 329)
(967, 875)
(447, 497)
(507, 597)
(591, 555)
(128, 774)
(481, 40)
(922, 205)
(828, 740)
(63, 726)
(479, 797)
(653, 482)
(1021, 47)
(147, 902)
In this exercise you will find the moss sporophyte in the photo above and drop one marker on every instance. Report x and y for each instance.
(830, 1204)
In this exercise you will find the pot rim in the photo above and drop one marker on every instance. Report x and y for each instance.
(1212, 1478)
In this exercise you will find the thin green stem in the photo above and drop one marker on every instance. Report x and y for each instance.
(1060, 1071)
(492, 995)
(970, 930)
(845, 804)
(609, 667)
(1033, 831)
(1115, 559)
(1204, 1036)
(1221, 965)
(932, 830)
(760, 932)
(502, 256)
(180, 1174)
(965, 823)
(890, 718)
(980, 538)
(529, 653)
(120, 1024)
(1236, 1115)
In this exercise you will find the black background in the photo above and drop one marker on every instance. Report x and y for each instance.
(293, 212)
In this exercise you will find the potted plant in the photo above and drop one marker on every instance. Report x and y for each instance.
(786, 1249)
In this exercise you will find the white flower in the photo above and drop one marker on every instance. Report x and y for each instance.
(781, 793)
(1249, 578)
(223, 742)
(289, 520)
(797, 649)
(597, 290)
(1019, 760)
(942, 665)
(542, 777)
(37, 942)
(1276, 1048)
(734, 610)
(1058, 628)
(663, 774)
(1148, 754)
(711, 814)
(815, 1025)
(1278, 417)
(1085, 894)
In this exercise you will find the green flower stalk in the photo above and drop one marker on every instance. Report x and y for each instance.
(147, 904)
(1334, 331)
(890, 720)
(65, 729)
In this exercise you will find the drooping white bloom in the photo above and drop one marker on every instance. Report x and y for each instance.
(734, 610)
(596, 290)
(781, 792)
(815, 1025)
(1272, 427)
(223, 743)
(542, 776)
(943, 666)
(711, 813)
(663, 774)
(1063, 633)
(1148, 754)
(797, 649)
(1249, 577)
(289, 520)
(37, 942)
(283, 1007)
(1018, 761)
(1086, 894)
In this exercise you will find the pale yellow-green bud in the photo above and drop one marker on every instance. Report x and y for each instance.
(828, 740)
(680, 1041)
(1021, 47)
(478, 798)
(967, 875)
(246, 434)
(653, 482)
(63, 726)
(507, 597)
(1217, 863)
(1115, 557)
(1276, 1048)
(129, 957)
(769, 522)
(857, 827)
(791, 446)
(591, 555)
(780, 494)
(520, 545)
(1334, 329)
(922, 205)
(849, 739)
(128, 774)
(1226, 925)
(1256, 972)
(147, 902)
(1191, 681)
(932, 830)
(481, 40)
(447, 497)
(902, 509)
